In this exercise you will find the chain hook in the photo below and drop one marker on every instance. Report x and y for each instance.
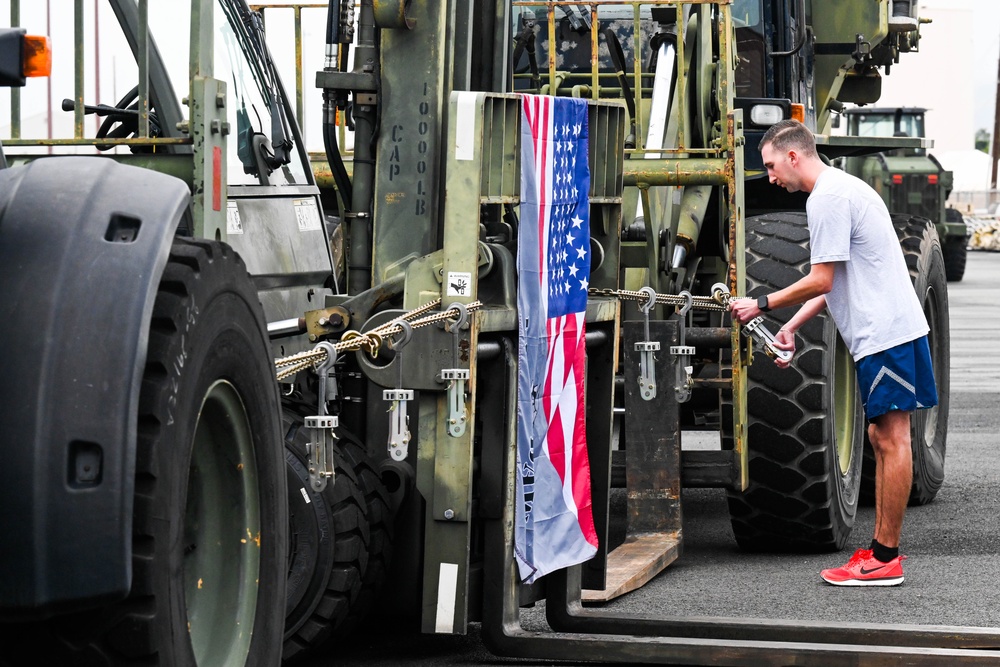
(463, 316)
(721, 294)
(688, 302)
(373, 343)
(331, 355)
(650, 298)
(406, 332)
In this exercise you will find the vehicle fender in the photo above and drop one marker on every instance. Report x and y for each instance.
(83, 243)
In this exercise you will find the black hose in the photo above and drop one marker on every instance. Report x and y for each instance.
(337, 168)
(333, 157)
(333, 23)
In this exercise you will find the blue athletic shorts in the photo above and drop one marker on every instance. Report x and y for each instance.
(900, 378)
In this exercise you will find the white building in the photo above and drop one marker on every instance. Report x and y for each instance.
(942, 77)
(938, 76)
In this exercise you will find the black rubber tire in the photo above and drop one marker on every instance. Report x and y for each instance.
(955, 256)
(380, 526)
(929, 428)
(310, 551)
(325, 570)
(800, 497)
(193, 552)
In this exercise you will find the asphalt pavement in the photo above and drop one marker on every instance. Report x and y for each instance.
(953, 544)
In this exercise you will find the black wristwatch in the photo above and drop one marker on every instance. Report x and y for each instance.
(762, 304)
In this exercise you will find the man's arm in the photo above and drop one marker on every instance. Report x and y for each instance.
(816, 283)
(811, 308)
(785, 338)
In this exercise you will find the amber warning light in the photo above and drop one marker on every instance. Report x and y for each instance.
(22, 56)
(37, 56)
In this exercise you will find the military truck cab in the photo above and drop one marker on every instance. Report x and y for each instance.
(910, 180)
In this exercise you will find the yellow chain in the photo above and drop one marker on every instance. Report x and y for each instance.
(370, 341)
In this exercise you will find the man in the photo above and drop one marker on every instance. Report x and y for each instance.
(859, 274)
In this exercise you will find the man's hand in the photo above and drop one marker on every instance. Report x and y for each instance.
(784, 340)
(744, 309)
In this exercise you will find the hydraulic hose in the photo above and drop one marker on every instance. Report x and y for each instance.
(333, 157)
(336, 161)
(365, 127)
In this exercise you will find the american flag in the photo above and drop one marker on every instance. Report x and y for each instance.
(554, 526)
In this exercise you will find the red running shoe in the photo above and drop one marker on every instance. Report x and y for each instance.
(865, 570)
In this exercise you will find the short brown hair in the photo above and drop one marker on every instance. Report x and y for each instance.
(788, 134)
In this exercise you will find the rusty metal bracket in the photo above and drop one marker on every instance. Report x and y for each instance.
(392, 14)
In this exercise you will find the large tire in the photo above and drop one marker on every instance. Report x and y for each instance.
(209, 523)
(805, 430)
(380, 526)
(955, 257)
(955, 249)
(928, 428)
(328, 552)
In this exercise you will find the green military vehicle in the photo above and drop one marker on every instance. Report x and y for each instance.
(910, 180)
(255, 399)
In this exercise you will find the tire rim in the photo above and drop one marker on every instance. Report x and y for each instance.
(845, 405)
(926, 420)
(222, 531)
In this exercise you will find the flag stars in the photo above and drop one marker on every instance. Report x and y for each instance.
(567, 238)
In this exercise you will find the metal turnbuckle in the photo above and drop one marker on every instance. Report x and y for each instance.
(754, 328)
(319, 449)
(646, 348)
(762, 335)
(399, 422)
(684, 382)
(456, 377)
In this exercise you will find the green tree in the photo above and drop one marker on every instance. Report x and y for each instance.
(983, 140)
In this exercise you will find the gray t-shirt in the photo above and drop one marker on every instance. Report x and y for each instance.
(872, 300)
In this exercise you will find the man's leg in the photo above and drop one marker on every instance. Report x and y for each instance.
(890, 438)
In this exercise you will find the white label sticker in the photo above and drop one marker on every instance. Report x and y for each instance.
(459, 283)
(233, 223)
(305, 496)
(307, 214)
(465, 126)
(444, 620)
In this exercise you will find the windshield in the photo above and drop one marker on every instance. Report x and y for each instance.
(251, 89)
(887, 125)
(746, 14)
(256, 112)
